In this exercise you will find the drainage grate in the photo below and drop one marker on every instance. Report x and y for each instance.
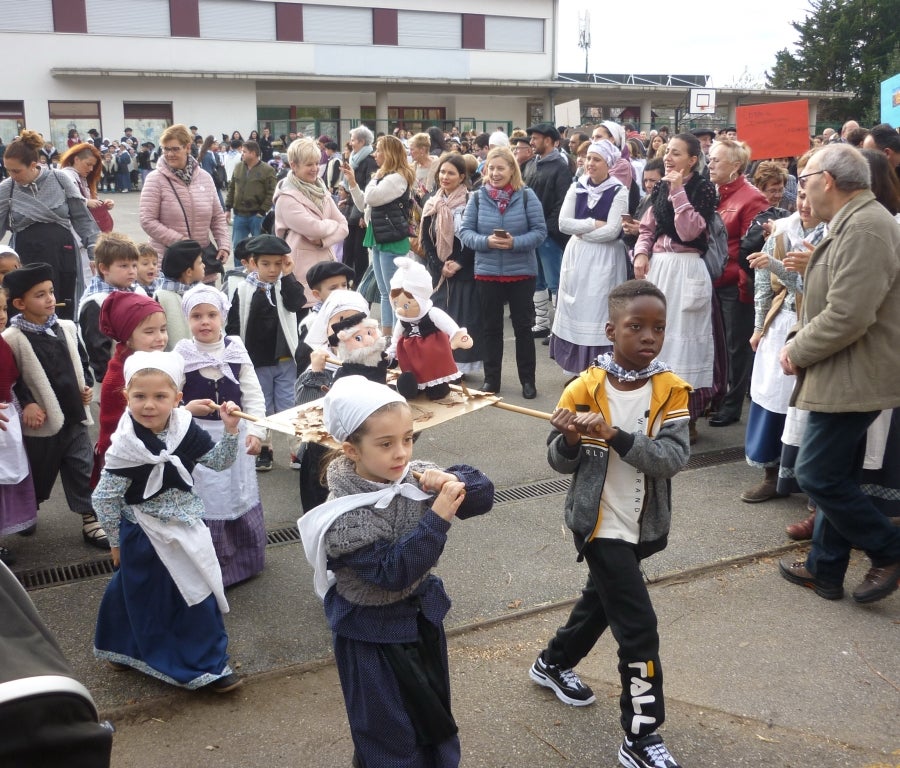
(711, 458)
(532, 491)
(287, 535)
(65, 574)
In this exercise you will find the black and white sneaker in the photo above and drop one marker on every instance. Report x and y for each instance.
(565, 683)
(264, 460)
(646, 752)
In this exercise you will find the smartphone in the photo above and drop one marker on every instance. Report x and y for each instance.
(501, 233)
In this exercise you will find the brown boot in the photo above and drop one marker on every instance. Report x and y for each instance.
(765, 490)
(803, 530)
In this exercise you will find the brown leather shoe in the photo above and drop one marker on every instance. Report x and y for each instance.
(803, 530)
(767, 489)
(878, 583)
(795, 571)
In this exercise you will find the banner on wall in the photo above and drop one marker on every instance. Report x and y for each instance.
(890, 100)
(774, 130)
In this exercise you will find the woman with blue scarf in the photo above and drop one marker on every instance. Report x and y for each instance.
(595, 260)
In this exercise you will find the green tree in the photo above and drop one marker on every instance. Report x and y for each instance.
(844, 45)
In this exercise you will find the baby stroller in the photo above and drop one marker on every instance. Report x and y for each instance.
(47, 718)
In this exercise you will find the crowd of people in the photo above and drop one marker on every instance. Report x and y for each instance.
(671, 276)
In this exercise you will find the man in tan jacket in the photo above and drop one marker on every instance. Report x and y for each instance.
(844, 353)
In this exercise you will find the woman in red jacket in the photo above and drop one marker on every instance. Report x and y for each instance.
(739, 204)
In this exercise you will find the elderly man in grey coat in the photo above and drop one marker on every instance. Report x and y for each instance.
(844, 352)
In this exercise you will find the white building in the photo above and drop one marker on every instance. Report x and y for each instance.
(315, 67)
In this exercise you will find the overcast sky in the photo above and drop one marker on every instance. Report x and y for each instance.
(682, 37)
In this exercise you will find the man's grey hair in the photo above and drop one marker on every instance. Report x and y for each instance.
(847, 166)
(362, 134)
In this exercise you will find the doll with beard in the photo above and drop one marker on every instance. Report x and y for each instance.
(360, 348)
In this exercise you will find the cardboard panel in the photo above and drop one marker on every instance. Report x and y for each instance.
(774, 130)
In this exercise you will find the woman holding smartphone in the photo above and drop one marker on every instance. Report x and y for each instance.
(504, 224)
(595, 260)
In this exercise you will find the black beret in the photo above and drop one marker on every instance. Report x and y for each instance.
(179, 257)
(698, 132)
(21, 280)
(520, 140)
(267, 245)
(240, 250)
(322, 270)
(544, 129)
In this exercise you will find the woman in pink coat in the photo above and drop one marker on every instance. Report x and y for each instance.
(306, 216)
(179, 200)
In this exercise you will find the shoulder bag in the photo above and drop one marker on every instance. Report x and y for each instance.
(210, 252)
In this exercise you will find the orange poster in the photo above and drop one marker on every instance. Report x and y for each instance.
(774, 130)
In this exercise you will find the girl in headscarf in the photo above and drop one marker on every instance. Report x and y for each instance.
(218, 368)
(595, 260)
(373, 546)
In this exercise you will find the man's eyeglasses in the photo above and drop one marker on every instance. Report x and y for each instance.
(801, 180)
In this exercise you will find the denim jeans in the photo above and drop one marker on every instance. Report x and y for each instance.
(245, 226)
(383, 266)
(549, 255)
(828, 469)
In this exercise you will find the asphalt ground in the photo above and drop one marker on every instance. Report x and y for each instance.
(759, 672)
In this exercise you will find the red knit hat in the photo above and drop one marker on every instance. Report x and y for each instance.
(122, 312)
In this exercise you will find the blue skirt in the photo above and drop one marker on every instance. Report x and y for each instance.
(383, 733)
(145, 623)
(762, 444)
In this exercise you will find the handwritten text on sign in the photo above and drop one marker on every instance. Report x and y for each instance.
(774, 130)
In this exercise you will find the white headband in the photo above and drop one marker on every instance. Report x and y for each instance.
(168, 363)
(350, 401)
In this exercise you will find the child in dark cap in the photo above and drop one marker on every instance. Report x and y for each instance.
(264, 314)
(182, 267)
(54, 390)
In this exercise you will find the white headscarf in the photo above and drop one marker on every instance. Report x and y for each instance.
(338, 301)
(412, 277)
(616, 131)
(350, 401)
(610, 153)
(166, 362)
(205, 294)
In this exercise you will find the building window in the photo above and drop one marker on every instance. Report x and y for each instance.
(338, 25)
(146, 18)
(12, 119)
(304, 121)
(384, 26)
(421, 29)
(237, 20)
(505, 33)
(184, 18)
(67, 115)
(414, 119)
(147, 119)
(69, 16)
(473, 31)
(289, 22)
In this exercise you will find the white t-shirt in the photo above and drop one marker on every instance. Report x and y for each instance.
(623, 492)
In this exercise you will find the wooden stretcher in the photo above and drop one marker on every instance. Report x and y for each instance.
(306, 422)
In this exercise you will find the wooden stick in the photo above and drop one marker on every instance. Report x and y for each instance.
(283, 428)
(500, 404)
